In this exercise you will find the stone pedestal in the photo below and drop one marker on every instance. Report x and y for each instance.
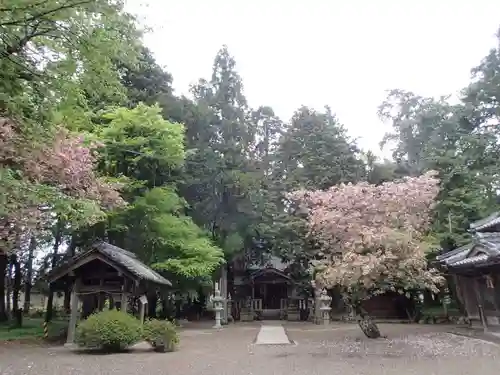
(325, 301)
(217, 301)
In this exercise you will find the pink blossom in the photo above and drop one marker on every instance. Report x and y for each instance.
(371, 237)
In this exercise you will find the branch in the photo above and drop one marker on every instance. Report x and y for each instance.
(29, 35)
(46, 13)
(27, 7)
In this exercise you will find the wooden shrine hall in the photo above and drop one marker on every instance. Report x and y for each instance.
(475, 270)
(104, 272)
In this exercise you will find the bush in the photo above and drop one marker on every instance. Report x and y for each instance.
(161, 334)
(109, 330)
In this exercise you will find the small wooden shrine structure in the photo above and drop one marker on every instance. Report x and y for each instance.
(103, 272)
(268, 290)
(475, 269)
(264, 290)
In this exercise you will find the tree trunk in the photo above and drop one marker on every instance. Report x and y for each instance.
(16, 290)
(29, 275)
(9, 289)
(3, 271)
(223, 292)
(57, 242)
(366, 323)
(17, 282)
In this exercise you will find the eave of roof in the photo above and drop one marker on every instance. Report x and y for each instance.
(121, 258)
(457, 253)
(474, 260)
(275, 271)
(490, 221)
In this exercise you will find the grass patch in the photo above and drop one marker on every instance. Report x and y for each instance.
(32, 329)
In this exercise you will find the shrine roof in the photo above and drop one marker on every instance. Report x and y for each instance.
(486, 223)
(474, 260)
(455, 255)
(269, 271)
(271, 262)
(483, 251)
(117, 257)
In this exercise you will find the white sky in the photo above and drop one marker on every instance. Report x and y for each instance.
(344, 53)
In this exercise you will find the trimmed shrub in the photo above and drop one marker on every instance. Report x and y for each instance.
(161, 334)
(109, 330)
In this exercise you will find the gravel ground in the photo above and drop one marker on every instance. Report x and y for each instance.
(340, 349)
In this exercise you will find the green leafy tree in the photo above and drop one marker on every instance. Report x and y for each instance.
(143, 148)
(175, 244)
(315, 152)
(432, 134)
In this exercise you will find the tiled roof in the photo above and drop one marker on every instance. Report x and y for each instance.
(270, 262)
(492, 238)
(471, 261)
(456, 254)
(489, 244)
(457, 257)
(486, 223)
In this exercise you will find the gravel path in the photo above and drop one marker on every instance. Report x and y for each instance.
(340, 349)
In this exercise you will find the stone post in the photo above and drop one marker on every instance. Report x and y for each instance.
(317, 305)
(229, 308)
(325, 308)
(310, 305)
(74, 313)
(217, 301)
(143, 301)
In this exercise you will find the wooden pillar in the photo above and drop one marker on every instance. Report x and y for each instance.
(251, 300)
(459, 293)
(496, 291)
(70, 339)
(101, 297)
(124, 296)
(480, 304)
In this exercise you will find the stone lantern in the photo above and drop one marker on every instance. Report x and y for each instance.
(217, 301)
(325, 301)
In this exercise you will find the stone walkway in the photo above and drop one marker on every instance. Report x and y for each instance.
(272, 334)
(336, 349)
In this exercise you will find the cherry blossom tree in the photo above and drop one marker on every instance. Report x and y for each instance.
(47, 176)
(371, 238)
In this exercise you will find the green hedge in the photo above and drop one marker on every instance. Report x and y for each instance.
(109, 330)
(161, 334)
